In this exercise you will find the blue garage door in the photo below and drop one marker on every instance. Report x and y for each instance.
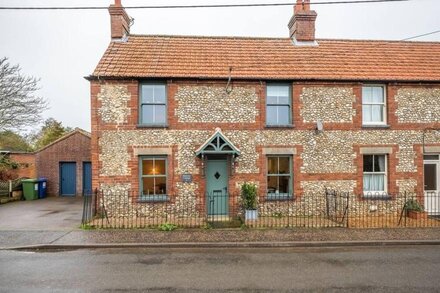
(68, 179)
(87, 178)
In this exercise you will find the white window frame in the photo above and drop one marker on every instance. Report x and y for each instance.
(376, 193)
(384, 105)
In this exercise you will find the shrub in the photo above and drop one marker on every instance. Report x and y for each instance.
(167, 227)
(413, 205)
(249, 196)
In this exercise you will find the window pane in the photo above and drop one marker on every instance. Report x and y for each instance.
(272, 91)
(147, 167)
(272, 165)
(367, 182)
(278, 94)
(271, 115)
(159, 94)
(272, 100)
(377, 113)
(153, 94)
(367, 95)
(368, 163)
(159, 167)
(377, 182)
(379, 163)
(161, 185)
(284, 183)
(278, 90)
(377, 95)
(284, 165)
(272, 184)
(430, 177)
(147, 93)
(147, 114)
(283, 100)
(283, 115)
(430, 157)
(148, 186)
(159, 114)
(366, 113)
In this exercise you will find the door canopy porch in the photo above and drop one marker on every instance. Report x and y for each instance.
(218, 144)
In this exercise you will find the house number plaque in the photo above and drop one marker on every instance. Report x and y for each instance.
(187, 178)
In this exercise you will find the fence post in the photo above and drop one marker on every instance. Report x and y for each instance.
(404, 208)
(10, 188)
(348, 209)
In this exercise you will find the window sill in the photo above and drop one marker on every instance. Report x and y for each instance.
(153, 198)
(273, 197)
(376, 126)
(377, 197)
(280, 126)
(152, 126)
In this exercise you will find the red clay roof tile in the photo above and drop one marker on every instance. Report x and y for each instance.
(269, 58)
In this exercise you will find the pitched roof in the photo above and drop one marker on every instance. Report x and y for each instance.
(67, 135)
(144, 56)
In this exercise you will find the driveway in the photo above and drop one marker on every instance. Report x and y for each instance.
(49, 214)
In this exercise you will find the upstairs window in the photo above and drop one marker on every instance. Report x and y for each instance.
(278, 105)
(153, 104)
(375, 175)
(373, 105)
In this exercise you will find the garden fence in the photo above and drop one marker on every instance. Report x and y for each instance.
(104, 209)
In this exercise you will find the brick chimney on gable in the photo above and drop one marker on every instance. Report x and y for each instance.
(302, 23)
(119, 21)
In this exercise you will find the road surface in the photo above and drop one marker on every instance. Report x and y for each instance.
(360, 269)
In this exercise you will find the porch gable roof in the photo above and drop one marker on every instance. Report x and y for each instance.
(218, 143)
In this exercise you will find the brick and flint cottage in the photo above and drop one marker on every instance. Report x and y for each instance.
(176, 119)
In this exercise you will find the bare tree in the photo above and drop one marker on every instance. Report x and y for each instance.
(19, 106)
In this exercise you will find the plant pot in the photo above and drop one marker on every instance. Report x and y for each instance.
(251, 215)
(416, 215)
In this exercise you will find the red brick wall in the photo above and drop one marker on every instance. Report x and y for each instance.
(74, 148)
(27, 168)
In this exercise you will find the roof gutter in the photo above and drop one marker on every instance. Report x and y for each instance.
(225, 78)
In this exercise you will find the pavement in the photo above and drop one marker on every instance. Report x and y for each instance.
(337, 237)
(54, 223)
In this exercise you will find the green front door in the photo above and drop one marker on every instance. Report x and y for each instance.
(217, 187)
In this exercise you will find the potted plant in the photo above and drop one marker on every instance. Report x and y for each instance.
(249, 201)
(414, 210)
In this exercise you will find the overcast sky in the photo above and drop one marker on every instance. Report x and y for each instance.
(61, 47)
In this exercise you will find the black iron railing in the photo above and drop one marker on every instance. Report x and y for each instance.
(104, 209)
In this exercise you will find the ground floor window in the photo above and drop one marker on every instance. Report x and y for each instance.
(279, 177)
(153, 176)
(375, 175)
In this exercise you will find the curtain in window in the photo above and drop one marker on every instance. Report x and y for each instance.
(374, 182)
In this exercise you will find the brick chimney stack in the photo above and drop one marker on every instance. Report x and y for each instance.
(302, 23)
(119, 21)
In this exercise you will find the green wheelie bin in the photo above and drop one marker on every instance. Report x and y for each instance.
(30, 189)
